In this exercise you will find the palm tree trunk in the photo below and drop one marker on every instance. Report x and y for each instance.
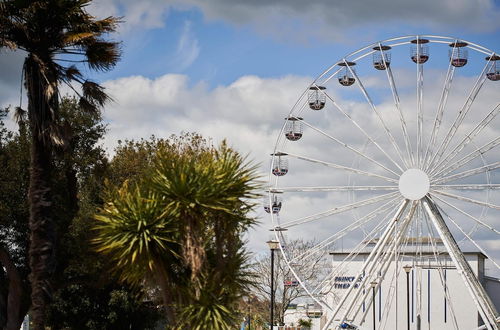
(42, 231)
(162, 278)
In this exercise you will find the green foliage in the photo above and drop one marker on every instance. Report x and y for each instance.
(179, 224)
(305, 323)
(134, 232)
(14, 176)
(14, 212)
(133, 160)
(86, 295)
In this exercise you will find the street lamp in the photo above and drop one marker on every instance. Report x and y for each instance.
(273, 245)
(407, 269)
(374, 285)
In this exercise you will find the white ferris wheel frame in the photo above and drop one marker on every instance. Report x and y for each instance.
(435, 165)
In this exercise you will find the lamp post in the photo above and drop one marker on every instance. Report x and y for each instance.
(273, 245)
(374, 285)
(407, 269)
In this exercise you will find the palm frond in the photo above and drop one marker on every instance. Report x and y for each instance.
(132, 230)
(94, 94)
(20, 115)
(102, 55)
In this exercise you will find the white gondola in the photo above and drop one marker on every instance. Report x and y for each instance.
(290, 283)
(458, 54)
(280, 164)
(346, 76)
(419, 51)
(274, 206)
(293, 128)
(316, 97)
(493, 73)
(381, 58)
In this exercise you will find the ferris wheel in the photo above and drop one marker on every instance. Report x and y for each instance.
(389, 163)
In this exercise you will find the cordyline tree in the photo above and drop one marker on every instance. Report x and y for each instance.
(55, 35)
(179, 228)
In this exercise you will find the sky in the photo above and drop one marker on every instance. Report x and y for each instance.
(233, 69)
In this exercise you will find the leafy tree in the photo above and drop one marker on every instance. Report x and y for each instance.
(88, 296)
(179, 227)
(14, 270)
(85, 296)
(54, 34)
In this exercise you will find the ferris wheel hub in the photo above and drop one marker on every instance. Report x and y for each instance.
(414, 184)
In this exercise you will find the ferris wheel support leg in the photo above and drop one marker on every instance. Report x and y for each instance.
(369, 263)
(483, 302)
(387, 260)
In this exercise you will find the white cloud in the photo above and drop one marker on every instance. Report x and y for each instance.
(250, 111)
(188, 49)
(302, 20)
(136, 14)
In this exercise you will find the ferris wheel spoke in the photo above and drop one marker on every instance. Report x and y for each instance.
(468, 138)
(477, 220)
(333, 188)
(470, 238)
(379, 116)
(442, 277)
(491, 186)
(440, 111)
(470, 157)
(355, 123)
(337, 210)
(460, 117)
(341, 167)
(376, 272)
(373, 234)
(467, 199)
(397, 103)
(420, 109)
(347, 146)
(339, 269)
(369, 263)
(387, 308)
(468, 173)
(351, 227)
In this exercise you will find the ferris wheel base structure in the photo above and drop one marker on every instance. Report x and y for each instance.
(436, 310)
(452, 308)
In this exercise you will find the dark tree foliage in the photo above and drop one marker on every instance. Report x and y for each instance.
(14, 213)
(85, 295)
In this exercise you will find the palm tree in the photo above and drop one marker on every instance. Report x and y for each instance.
(57, 36)
(181, 226)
